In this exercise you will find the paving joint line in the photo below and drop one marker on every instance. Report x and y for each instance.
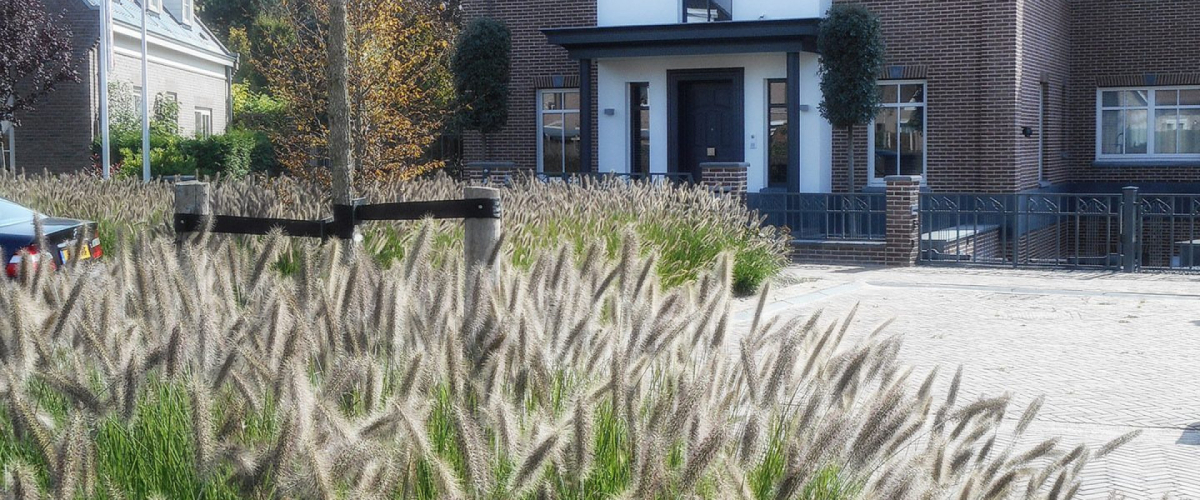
(1024, 290)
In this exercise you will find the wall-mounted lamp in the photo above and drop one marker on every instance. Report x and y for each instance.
(1027, 131)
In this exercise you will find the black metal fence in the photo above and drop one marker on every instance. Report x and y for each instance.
(824, 216)
(1169, 237)
(673, 177)
(1022, 230)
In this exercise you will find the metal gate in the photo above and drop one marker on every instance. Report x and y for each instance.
(1022, 230)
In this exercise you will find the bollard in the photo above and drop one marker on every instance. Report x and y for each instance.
(1129, 229)
(191, 197)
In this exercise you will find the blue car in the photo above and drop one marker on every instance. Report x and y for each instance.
(62, 238)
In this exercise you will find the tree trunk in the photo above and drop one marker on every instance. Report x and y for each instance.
(851, 217)
(850, 159)
(340, 153)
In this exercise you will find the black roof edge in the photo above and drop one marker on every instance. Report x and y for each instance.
(683, 38)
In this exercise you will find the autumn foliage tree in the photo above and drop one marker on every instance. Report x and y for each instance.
(35, 55)
(399, 83)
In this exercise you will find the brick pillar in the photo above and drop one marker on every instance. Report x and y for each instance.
(727, 178)
(492, 172)
(903, 224)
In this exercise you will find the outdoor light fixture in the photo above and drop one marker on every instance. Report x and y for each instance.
(1027, 131)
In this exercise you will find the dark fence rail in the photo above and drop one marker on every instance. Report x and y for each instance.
(1026, 230)
(824, 216)
(1169, 237)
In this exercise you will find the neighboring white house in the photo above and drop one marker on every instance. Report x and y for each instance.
(683, 83)
(186, 63)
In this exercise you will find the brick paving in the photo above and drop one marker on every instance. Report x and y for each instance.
(1111, 352)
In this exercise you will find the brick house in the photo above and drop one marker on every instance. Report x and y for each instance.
(186, 63)
(980, 95)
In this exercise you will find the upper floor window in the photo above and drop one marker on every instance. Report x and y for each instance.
(188, 11)
(705, 11)
(1139, 123)
(897, 136)
(154, 5)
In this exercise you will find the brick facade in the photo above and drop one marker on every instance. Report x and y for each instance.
(1124, 39)
(991, 66)
(57, 135)
(535, 63)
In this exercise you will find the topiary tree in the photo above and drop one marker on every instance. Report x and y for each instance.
(481, 64)
(851, 46)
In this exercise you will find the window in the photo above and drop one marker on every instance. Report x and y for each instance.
(153, 5)
(558, 120)
(777, 133)
(188, 12)
(7, 156)
(137, 101)
(707, 11)
(639, 127)
(203, 122)
(897, 135)
(1140, 123)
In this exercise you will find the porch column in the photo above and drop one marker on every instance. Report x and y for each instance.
(793, 113)
(585, 115)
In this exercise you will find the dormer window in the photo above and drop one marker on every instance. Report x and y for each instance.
(189, 12)
(154, 5)
(707, 11)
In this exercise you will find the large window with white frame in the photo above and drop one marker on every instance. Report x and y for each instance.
(1148, 123)
(707, 11)
(897, 135)
(558, 126)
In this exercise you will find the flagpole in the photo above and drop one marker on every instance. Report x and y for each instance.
(145, 102)
(105, 60)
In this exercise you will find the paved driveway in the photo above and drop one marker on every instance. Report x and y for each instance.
(1111, 352)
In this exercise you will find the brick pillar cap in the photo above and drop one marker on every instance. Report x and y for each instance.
(902, 178)
(724, 164)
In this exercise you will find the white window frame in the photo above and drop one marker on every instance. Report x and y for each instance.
(206, 114)
(8, 147)
(188, 8)
(875, 181)
(154, 5)
(541, 113)
(1151, 124)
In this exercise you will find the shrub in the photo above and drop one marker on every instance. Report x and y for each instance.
(199, 375)
(228, 154)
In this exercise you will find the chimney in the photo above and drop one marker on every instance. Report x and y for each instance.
(182, 10)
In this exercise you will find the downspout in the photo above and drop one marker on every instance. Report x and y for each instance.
(229, 72)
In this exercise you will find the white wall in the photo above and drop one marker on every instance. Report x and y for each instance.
(615, 75)
(640, 12)
(199, 83)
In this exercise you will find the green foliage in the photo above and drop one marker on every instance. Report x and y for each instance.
(228, 154)
(852, 53)
(123, 114)
(481, 65)
(257, 110)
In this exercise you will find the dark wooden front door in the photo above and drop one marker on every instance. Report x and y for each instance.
(709, 121)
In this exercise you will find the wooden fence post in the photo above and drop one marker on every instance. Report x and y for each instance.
(479, 241)
(191, 197)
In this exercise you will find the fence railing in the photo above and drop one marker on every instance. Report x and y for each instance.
(1170, 231)
(1030, 230)
(825, 216)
